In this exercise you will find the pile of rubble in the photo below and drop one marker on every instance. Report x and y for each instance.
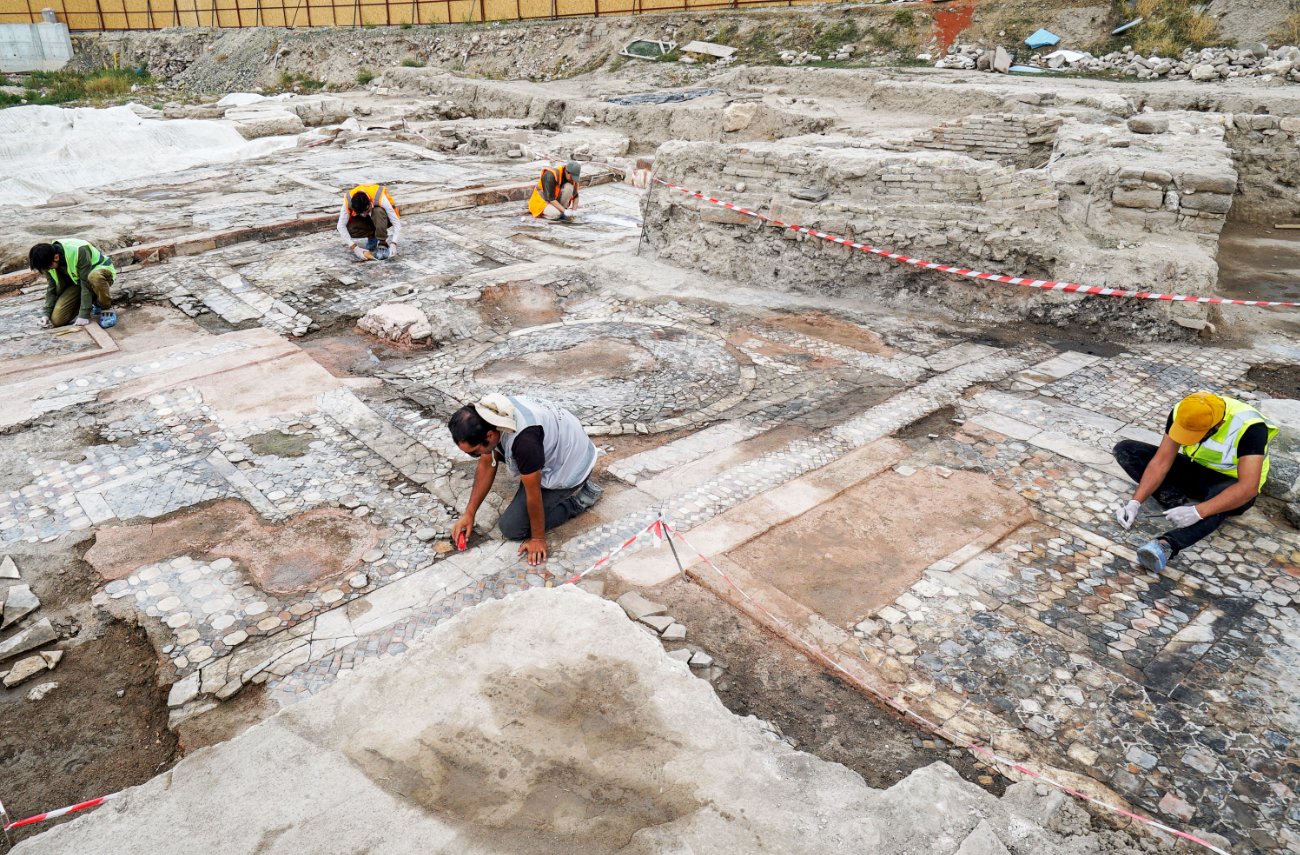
(844, 53)
(1256, 60)
(18, 602)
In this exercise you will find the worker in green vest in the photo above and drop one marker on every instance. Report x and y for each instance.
(79, 277)
(1210, 465)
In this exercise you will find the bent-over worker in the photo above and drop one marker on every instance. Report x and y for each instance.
(541, 443)
(1209, 466)
(369, 215)
(556, 194)
(78, 276)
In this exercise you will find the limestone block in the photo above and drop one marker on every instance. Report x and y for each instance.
(737, 117)
(1148, 124)
(1204, 71)
(1208, 182)
(1285, 413)
(1001, 60)
(1214, 203)
(1290, 125)
(1137, 198)
(265, 123)
(716, 214)
(788, 214)
(397, 322)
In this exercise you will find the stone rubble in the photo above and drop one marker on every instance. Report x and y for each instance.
(1205, 65)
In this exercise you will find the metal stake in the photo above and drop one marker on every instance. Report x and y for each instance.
(663, 526)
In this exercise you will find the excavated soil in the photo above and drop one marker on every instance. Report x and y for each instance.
(103, 729)
(822, 715)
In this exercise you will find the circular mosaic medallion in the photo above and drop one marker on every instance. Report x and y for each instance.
(616, 377)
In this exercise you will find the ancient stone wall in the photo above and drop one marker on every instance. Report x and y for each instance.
(941, 207)
(1266, 152)
(1022, 140)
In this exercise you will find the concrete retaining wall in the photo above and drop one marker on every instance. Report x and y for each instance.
(34, 47)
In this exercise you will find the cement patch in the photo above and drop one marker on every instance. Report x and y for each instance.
(850, 556)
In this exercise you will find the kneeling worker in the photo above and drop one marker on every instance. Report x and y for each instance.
(542, 444)
(1210, 466)
(369, 215)
(79, 277)
(556, 194)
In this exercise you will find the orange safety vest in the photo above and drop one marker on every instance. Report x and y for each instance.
(537, 203)
(375, 193)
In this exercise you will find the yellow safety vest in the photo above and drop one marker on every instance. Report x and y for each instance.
(376, 195)
(537, 202)
(71, 248)
(1219, 451)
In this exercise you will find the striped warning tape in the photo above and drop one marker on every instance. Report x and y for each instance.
(61, 811)
(975, 274)
(933, 726)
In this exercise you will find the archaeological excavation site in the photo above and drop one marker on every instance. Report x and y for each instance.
(488, 427)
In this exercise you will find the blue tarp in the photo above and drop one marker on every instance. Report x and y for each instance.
(1042, 38)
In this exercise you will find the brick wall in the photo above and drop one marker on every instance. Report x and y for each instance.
(1023, 141)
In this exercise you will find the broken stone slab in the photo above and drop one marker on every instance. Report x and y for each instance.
(398, 322)
(658, 622)
(638, 606)
(700, 659)
(676, 632)
(8, 569)
(184, 691)
(682, 655)
(40, 691)
(1001, 61)
(19, 602)
(737, 117)
(25, 669)
(808, 195)
(34, 636)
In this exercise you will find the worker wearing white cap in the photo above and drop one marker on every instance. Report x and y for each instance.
(541, 443)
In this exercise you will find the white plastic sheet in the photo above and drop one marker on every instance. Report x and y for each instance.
(48, 150)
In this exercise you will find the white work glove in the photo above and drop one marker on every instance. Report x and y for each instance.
(1183, 516)
(82, 322)
(392, 249)
(44, 323)
(1125, 515)
(362, 254)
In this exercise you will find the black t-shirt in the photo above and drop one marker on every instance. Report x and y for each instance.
(1253, 440)
(527, 450)
(550, 189)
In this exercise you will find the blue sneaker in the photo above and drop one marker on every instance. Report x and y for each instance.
(372, 244)
(1154, 556)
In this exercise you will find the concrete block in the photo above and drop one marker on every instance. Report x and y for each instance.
(34, 47)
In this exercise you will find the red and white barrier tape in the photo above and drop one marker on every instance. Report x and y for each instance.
(61, 811)
(655, 528)
(975, 274)
(933, 726)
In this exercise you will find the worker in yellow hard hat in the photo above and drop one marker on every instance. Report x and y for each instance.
(1209, 466)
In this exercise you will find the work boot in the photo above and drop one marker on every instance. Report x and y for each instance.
(1154, 555)
(589, 494)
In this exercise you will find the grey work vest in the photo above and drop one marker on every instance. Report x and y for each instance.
(570, 455)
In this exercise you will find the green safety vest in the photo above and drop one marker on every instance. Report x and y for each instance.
(1219, 451)
(71, 248)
